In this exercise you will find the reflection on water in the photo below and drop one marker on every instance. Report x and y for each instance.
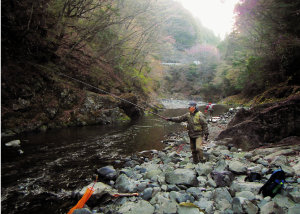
(62, 160)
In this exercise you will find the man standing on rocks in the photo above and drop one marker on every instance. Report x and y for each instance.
(197, 129)
(210, 108)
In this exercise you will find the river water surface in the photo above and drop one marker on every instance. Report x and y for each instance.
(39, 176)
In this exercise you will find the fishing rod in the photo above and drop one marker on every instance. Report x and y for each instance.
(112, 95)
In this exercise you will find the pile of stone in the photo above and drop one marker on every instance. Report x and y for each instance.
(227, 116)
(177, 104)
(170, 183)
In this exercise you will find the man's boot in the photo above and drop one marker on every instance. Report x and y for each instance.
(195, 161)
(200, 155)
(195, 157)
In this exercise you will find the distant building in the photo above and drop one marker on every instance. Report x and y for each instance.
(171, 63)
(179, 63)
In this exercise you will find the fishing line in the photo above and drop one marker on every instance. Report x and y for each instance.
(111, 95)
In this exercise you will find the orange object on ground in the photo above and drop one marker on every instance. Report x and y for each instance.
(89, 191)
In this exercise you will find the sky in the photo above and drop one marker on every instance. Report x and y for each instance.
(216, 15)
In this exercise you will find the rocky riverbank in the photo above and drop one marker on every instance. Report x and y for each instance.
(169, 182)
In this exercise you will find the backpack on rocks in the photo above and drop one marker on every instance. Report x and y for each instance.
(274, 184)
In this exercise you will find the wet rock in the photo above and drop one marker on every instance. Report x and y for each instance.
(149, 167)
(147, 194)
(295, 196)
(221, 194)
(124, 184)
(294, 209)
(131, 163)
(172, 157)
(284, 164)
(127, 172)
(248, 155)
(141, 206)
(150, 174)
(160, 198)
(190, 210)
(195, 192)
(204, 169)
(237, 205)
(233, 149)
(242, 205)
(271, 207)
(256, 169)
(205, 204)
(211, 183)
(297, 169)
(184, 197)
(283, 202)
(82, 211)
(221, 166)
(237, 167)
(246, 194)
(275, 154)
(107, 173)
(167, 207)
(222, 179)
(263, 162)
(253, 187)
(182, 176)
(14, 143)
(226, 153)
(172, 187)
(224, 206)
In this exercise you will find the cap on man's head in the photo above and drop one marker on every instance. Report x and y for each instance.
(192, 103)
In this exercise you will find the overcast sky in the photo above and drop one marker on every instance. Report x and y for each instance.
(216, 15)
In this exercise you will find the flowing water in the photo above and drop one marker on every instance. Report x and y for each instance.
(40, 175)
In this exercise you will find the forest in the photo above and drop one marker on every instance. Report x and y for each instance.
(121, 46)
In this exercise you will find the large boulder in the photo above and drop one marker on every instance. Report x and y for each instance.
(270, 123)
(126, 102)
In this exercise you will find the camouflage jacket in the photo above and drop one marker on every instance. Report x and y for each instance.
(197, 125)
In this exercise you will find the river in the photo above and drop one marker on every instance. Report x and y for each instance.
(39, 176)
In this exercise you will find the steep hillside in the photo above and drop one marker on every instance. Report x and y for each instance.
(36, 96)
(50, 49)
(94, 43)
